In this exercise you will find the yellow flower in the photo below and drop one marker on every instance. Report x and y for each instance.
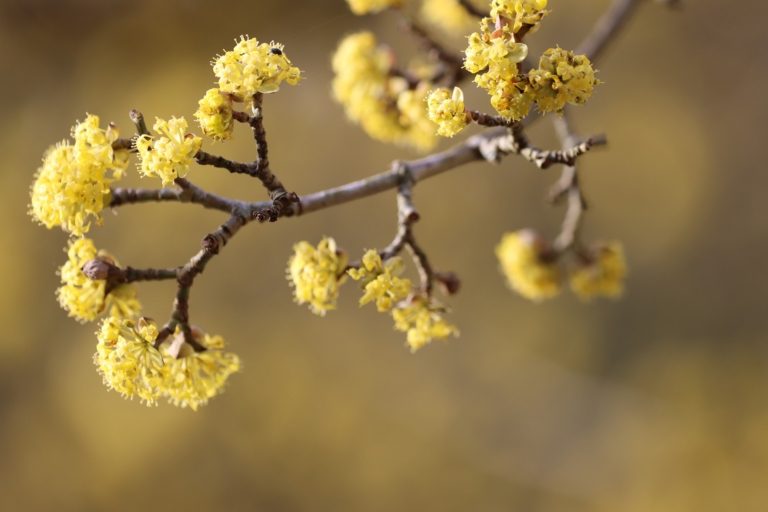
(71, 188)
(520, 255)
(360, 7)
(191, 378)
(519, 12)
(252, 67)
(447, 111)
(381, 281)
(316, 274)
(127, 359)
(512, 100)
(85, 299)
(497, 51)
(602, 276)
(449, 15)
(561, 78)
(494, 57)
(169, 154)
(422, 322)
(386, 107)
(214, 114)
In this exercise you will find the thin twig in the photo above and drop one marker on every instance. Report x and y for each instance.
(569, 187)
(137, 118)
(407, 216)
(517, 143)
(211, 245)
(453, 64)
(472, 10)
(489, 120)
(204, 158)
(187, 194)
(607, 27)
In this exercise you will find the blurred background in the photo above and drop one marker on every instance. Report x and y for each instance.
(656, 402)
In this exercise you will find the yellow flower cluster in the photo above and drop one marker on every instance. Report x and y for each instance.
(316, 274)
(214, 113)
(419, 317)
(561, 78)
(361, 7)
(131, 365)
(422, 322)
(127, 359)
(192, 378)
(520, 255)
(381, 281)
(252, 67)
(71, 188)
(169, 154)
(386, 107)
(446, 109)
(493, 57)
(600, 272)
(604, 276)
(448, 15)
(85, 299)
(519, 12)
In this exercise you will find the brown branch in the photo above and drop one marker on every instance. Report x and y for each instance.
(204, 158)
(412, 80)
(188, 193)
(259, 133)
(185, 276)
(490, 146)
(241, 117)
(123, 143)
(137, 118)
(284, 203)
(103, 269)
(568, 187)
(441, 53)
(407, 216)
(472, 10)
(485, 146)
(517, 143)
(489, 120)
(132, 275)
(607, 27)
(452, 64)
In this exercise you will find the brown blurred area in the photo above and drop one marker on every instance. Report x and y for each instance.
(653, 403)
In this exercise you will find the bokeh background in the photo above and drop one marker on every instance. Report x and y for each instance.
(653, 403)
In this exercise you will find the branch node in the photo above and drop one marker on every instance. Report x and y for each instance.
(211, 243)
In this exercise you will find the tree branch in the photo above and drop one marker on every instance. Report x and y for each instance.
(489, 120)
(472, 10)
(204, 158)
(607, 27)
(453, 65)
(188, 193)
(491, 145)
(568, 187)
(517, 143)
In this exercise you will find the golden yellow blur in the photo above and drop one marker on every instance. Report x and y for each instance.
(657, 402)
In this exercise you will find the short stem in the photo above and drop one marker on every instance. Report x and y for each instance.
(489, 120)
(137, 118)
